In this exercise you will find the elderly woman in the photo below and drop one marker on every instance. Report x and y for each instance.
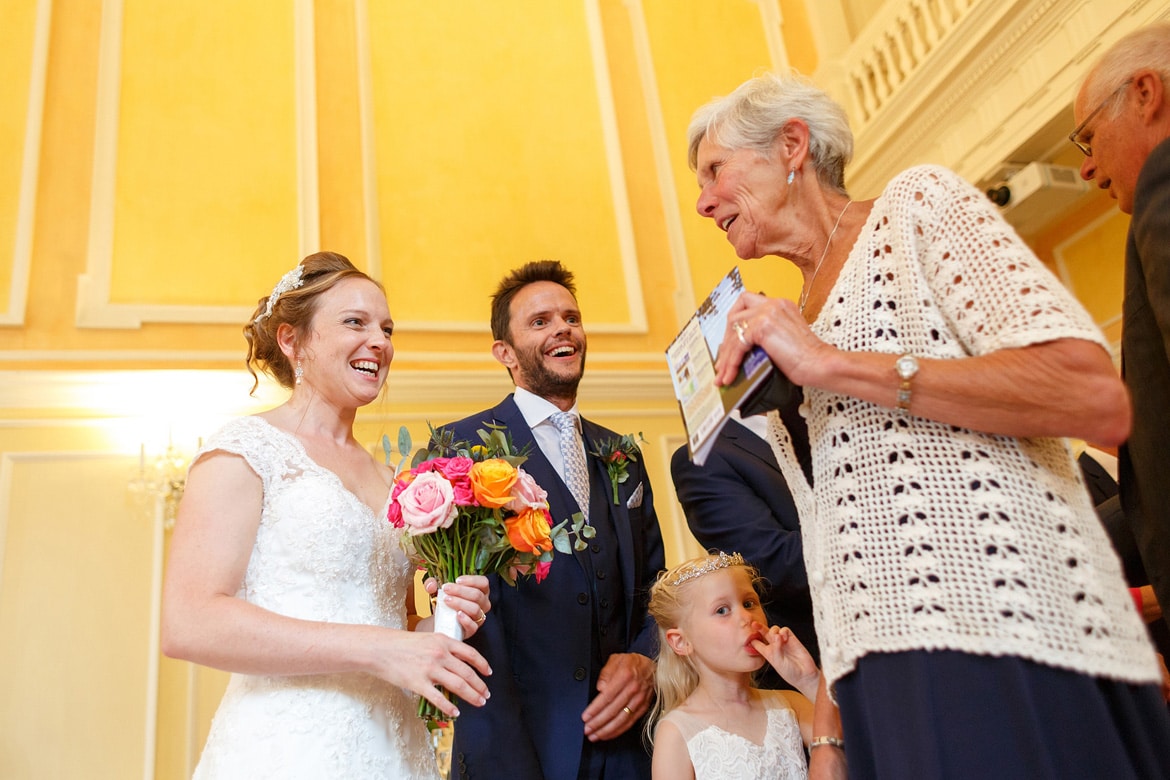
(973, 619)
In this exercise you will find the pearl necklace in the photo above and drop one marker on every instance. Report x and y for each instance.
(816, 269)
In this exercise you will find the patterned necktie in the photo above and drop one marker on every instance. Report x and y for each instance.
(576, 474)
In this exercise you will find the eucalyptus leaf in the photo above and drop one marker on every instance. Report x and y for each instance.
(561, 542)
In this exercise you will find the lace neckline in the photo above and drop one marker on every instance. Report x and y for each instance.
(300, 447)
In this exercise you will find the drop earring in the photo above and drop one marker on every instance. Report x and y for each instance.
(791, 176)
(299, 372)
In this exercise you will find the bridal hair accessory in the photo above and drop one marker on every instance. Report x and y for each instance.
(791, 175)
(708, 565)
(289, 282)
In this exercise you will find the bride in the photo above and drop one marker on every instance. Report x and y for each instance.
(284, 570)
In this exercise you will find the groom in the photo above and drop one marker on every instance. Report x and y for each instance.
(571, 656)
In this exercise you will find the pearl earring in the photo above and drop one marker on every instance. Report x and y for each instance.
(300, 372)
(791, 176)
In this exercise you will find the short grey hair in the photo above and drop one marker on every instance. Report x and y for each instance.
(1146, 47)
(753, 115)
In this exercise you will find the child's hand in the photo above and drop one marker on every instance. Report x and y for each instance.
(780, 647)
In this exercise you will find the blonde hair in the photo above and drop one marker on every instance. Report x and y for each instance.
(675, 676)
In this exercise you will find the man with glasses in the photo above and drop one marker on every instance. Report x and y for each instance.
(1124, 131)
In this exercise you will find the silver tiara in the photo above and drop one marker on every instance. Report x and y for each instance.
(706, 566)
(290, 281)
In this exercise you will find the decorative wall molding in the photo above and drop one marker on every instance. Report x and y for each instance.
(617, 177)
(365, 82)
(12, 514)
(95, 309)
(219, 393)
(474, 360)
(29, 169)
(970, 84)
(772, 20)
(631, 284)
(682, 545)
(684, 299)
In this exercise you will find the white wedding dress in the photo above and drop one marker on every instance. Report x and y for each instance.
(320, 554)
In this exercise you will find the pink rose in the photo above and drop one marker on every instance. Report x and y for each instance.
(428, 503)
(457, 471)
(394, 512)
(394, 515)
(454, 469)
(526, 494)
(542, 570)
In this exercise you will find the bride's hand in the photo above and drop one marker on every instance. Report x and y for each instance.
(468, 596)
(423, 661)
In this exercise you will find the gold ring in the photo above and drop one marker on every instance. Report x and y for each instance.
(740, 328)
(628, 711)
(482, 617)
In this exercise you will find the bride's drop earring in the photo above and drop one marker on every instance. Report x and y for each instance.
(300, 372)
(791, 176)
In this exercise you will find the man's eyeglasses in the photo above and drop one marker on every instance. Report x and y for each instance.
(1082, 144)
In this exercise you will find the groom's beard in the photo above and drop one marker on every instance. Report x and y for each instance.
(544, 381)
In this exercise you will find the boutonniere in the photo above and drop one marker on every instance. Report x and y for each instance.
(617, 454)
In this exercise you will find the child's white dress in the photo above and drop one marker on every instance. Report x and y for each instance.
(720, 755)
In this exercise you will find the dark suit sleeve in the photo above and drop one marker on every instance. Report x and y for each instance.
(1151, 235)
(645, 638)
(724, 511)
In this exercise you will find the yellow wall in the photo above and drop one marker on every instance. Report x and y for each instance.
(162, 164)
(165, 163)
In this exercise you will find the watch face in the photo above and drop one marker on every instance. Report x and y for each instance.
(906, 366)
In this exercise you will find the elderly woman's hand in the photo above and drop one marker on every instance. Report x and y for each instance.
(777, 326)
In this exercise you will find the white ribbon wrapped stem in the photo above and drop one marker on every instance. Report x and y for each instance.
(447, 620)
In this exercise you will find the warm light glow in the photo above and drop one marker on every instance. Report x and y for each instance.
(177, 408)
(151, 408)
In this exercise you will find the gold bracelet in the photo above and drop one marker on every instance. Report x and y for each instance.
(836, 742)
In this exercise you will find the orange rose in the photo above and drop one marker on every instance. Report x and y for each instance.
(529, 530)
(492, 480)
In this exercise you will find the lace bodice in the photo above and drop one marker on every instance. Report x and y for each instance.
(721, 755)
(320, 554)
(925, 536)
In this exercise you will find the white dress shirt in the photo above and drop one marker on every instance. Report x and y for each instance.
(536, 411)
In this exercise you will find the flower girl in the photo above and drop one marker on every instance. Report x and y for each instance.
(710, 721)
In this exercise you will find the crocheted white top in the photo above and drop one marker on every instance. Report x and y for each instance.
(927, 536)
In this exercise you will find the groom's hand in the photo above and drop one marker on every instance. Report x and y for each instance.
(625, 689)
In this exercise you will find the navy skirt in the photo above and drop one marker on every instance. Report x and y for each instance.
(922, 715)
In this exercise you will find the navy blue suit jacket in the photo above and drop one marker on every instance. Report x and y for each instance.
(538, 637)
(1142, 464)
(738, 501)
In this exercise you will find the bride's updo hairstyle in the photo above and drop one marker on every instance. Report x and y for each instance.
(293, 302)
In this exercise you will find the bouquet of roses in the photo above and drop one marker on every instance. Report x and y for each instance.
(470, 509)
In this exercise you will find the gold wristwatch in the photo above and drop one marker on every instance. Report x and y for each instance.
(907, 367)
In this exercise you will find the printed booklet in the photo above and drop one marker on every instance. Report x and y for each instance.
(691, 357)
